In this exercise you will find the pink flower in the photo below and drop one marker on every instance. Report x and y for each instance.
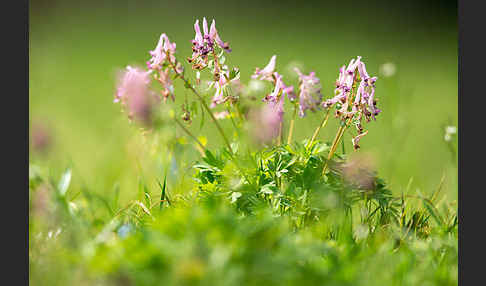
(159, 54)
(270, 119)
(267, 72)
(218, 97)
(288, 90)
(203, 45)
(214, 36)
(310, 92)
(272, 97)
(222, 85)
(364, 99)
(279, 90)
(198, 38)
(134, 94)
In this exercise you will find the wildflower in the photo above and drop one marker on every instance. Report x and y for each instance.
(218, 97)
(159, 55)
(355, 96)
(203, 45)
(364, 100)
(134, 94)
(267, 72)
(309, 85)
(213, 34)
(288, 90)
(271, 118)
(162, 56)
(347, 75)
(272, 97)
(222, 84)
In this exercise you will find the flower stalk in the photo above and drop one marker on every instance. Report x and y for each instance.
(202, 148)
(335, 143)
(318, 129)
(291, 127)
(204, 104)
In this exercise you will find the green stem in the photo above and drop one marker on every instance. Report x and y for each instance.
(233, 122)
(204, 104)
(335, 143)
(291, 127)
(190, 134)
(322, 125)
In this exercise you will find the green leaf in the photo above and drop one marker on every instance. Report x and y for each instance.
(433, 211)
(163, 194)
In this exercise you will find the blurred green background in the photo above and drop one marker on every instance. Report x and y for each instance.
(76, 48)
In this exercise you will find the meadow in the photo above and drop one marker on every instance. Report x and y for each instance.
(113, 202)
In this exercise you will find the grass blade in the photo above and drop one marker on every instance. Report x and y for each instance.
(163, 195)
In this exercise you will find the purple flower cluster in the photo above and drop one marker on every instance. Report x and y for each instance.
(355, 96)
(268, 73)
(159, 65)
(203, 45)
(346, 84)
(310, 96)
(163, 52)
(354, 93)
(272, 114)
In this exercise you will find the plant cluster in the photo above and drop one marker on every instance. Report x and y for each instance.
(289, 213)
